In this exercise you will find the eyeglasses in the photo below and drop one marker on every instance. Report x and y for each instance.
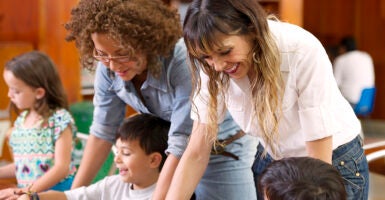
(108, 59)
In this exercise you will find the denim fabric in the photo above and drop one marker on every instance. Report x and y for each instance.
(228, 179)
(260, 163)
(351, 161)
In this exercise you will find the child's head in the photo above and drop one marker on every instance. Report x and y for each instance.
(34, 83)
(301, 178)
(347, 44)
(141, 144)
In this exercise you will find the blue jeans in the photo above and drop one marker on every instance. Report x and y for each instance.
(260, 163)
(349, 159)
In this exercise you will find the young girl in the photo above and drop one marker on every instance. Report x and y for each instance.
(277, 82)
(42, 136)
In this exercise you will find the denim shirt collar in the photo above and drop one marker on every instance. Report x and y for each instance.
(160, 83)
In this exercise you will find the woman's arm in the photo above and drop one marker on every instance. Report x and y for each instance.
(60, 170)
(109, 112)
(192, 164)
(321, 149)
(94, 155)
(165, 177)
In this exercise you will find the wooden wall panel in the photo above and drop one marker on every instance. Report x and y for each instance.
(330, 20)
(291, 11)
(371, 38)
(18, 21)
(9, 50)
(52, 17)
(40, 23)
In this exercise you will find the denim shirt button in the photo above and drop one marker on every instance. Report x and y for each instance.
(342, 163)
(357, 174)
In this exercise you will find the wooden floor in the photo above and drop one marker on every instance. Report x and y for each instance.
(374, 131)
(376, 187)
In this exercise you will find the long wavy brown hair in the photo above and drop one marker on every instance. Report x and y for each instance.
(149, 27)
(205, 21)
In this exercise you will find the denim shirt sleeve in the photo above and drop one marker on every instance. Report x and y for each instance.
(179, 78)
(109, 109)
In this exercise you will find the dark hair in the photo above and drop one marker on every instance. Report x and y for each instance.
(151, 132)
(301, 178)
(349, 43)
(149, 27)
(37, 70)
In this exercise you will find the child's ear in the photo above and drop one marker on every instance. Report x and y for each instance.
(40, 92)
(155, 159)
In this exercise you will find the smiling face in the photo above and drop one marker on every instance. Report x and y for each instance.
(135, 166)
(127, 66)
(232, 57)
(21, 94)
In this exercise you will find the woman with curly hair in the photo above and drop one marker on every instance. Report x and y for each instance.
(277, 82)
(142, 62)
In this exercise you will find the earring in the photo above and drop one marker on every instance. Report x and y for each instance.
(255, 59)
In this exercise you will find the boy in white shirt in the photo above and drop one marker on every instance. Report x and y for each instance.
(141, 144)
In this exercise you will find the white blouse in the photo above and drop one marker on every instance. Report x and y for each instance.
(313, 107)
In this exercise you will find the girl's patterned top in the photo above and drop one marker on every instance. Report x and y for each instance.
(34, 148)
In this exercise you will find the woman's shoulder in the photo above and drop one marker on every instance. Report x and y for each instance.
(292, 37)
(177, 63)
(180, 50)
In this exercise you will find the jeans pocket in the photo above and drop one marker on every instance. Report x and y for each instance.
(354, 170)
(260, 163)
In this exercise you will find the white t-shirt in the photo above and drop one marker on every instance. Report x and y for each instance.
(110, 188)
(313, 107)
(354, 71)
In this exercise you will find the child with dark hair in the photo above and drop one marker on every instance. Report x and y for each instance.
(301, 178)
(141, 145)
(353, 70)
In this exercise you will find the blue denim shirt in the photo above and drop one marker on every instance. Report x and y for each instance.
(167, 97)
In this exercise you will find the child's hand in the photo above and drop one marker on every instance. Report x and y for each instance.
(9, 194)
(23, 197)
